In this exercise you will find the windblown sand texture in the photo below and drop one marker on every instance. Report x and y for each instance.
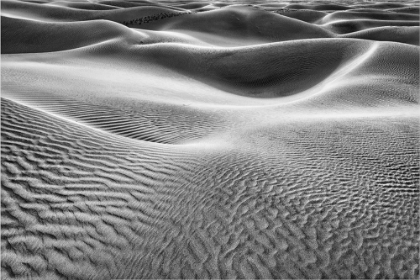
(182, 139)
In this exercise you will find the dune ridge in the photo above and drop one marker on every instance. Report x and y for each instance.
(191, 139)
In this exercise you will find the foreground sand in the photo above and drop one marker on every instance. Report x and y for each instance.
(181, 139)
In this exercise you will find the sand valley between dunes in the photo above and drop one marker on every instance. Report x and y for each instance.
(209, 139)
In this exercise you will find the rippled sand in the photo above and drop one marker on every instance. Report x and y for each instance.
(236, 139)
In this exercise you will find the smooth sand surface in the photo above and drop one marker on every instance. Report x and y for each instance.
(193, 139)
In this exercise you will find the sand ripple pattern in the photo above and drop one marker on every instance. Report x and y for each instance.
(80, 204)
(263, 141)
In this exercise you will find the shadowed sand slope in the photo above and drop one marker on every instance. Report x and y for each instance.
(193, 139)
(38, 36)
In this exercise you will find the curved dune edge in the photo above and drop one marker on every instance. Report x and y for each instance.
(180, 140)
(141, 126)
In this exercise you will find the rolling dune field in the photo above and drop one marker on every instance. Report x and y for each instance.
(210, 139)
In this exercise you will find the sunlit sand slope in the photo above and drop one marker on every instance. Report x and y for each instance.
(191, 139)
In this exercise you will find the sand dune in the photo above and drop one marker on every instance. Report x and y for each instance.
(405, 35)
(355, 25)
(243, 21)
(197, 139)
(53, 13)
(369, 14)
(37, 36)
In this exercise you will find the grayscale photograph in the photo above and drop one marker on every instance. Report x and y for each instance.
(202, 139)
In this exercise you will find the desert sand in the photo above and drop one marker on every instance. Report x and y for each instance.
(209, 139)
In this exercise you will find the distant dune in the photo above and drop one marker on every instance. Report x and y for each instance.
(193, 139)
